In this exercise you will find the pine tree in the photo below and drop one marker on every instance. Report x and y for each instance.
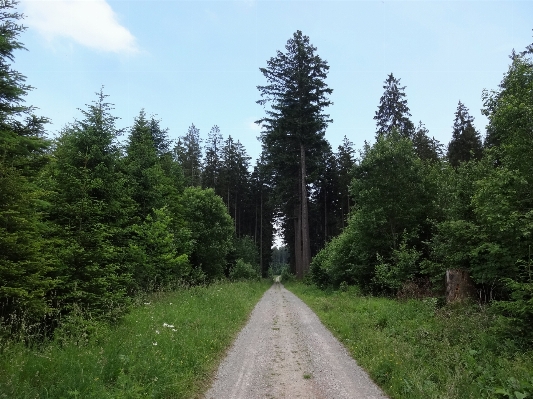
(293, 129)
(393, 112)
(465, 144)
(25, 262)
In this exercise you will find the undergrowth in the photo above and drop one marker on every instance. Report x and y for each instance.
(418, 349)
(167, 347)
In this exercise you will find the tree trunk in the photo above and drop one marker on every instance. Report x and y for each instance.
(306, 242)
(459, 286)
(298, 242)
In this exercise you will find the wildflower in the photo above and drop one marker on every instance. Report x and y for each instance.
(174, 330)
(157, 331)
(168, 325)
(147, 303)
(154, 343)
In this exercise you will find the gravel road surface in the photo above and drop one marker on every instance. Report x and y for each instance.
(285, 352)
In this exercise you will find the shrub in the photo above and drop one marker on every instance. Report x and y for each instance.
(243, 271)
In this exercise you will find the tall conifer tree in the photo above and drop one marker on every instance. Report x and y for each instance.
(393, 112)
(293, 128)
(24, 264)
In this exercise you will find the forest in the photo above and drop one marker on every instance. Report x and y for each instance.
(97, 215)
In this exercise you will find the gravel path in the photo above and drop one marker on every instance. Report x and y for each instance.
(285, 352)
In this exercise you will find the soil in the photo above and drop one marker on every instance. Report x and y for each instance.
(285, 352)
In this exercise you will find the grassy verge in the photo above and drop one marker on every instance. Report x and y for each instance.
(415, 349)
(167, 347)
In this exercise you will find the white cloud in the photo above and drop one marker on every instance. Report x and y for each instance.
(91, 23)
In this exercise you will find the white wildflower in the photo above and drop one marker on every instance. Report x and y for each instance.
(168, 325)
(154, 343)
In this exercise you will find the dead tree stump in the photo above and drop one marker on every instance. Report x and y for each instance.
(459, 286)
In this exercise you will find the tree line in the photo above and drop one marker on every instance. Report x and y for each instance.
(89, 219)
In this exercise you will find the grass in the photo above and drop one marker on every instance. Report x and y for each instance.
(168, 347)
(416, 349)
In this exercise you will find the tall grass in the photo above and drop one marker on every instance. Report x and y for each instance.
(168, 347)
(417, 349)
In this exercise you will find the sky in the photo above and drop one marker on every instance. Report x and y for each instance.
(197, 62)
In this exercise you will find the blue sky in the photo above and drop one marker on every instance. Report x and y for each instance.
(198, 61)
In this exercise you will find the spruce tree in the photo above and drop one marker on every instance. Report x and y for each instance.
(393, 112)
(345, 163)
(188, 152)
(293, 130)
(213, 160)
(427, 148)
(147, 178)
(465, 144)
(25, 263)
(91, 208)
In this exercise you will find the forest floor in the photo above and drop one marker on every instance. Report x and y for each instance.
(285, 352)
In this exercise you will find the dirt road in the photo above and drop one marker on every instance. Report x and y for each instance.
(285, 352)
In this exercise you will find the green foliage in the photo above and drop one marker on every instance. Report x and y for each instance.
(286, 275)
(25, 259)
(211, 230)
(246, 249)
(465, 144)
(293, 136)
(188, 153)
(393, 113)
(243, 271)
(157, 261)
(167, 347)
(89, 209)
(401, 268)
(519, 307)
(393, 197)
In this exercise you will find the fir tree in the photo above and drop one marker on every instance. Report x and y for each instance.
(25, 263)
(91, 208)
(293, 131)
(465, 144)
(188, 152)
(393, 112)
(427, 149)
(213, 160)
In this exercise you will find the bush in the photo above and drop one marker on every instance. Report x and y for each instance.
(243, 271)
(286, 275)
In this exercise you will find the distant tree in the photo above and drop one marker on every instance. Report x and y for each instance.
(159, 137)
(148, 180)
(465, 144)
(293, 131)
(393, 112)
(345, 163)
(427, 149)
(25, 262)
(188, 152)
(213, 160)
